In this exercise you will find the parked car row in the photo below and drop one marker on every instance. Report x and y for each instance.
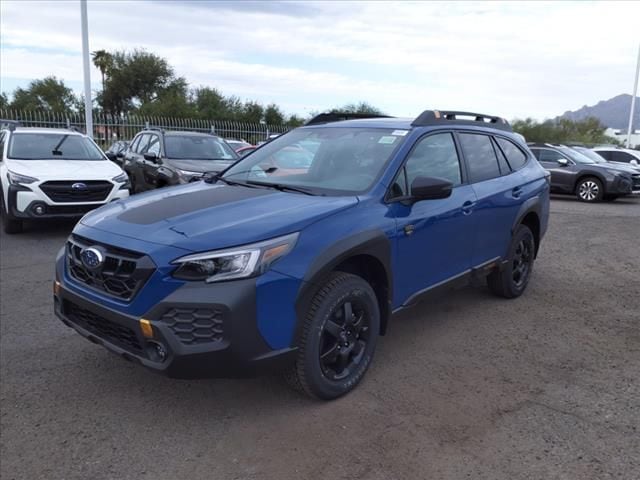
(587, 173)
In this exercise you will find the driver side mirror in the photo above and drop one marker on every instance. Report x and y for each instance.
(563, 162)
(634, 162)
(152, 157)
(430, 188)
(111, 156)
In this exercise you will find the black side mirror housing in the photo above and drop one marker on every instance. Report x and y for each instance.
(152, 157)
(430, 188)
(120, 154)
(111, 156)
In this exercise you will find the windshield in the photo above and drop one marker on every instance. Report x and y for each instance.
(576, 156)
(590, 154)
(196, 147)
(341, 159)
(53, 146)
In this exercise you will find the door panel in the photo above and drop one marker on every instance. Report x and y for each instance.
(563, 177)
(150, 168)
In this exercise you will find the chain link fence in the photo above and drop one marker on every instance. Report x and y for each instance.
(109, 128)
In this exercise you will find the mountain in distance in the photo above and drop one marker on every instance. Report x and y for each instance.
(614, 113)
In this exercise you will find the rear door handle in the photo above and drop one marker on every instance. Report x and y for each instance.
(516, 192)
(467, 207)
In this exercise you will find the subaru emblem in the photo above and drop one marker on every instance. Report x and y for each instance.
(79, 186)
(92, 257)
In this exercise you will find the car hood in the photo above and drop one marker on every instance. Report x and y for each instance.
(65, 169)
(200, 216)
(620, 168)
(201, 166)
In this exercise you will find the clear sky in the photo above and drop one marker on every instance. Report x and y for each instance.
(513, 59)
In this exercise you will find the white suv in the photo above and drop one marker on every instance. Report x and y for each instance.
(51, 173)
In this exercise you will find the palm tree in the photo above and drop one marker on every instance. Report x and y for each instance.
(103, 62)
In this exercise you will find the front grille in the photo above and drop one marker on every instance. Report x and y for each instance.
(106, 329)
(121, 275)
(63, 191)
(635, 178)
(195, 325)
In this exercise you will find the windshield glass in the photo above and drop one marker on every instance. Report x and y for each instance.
(196, 147)
(590, 154)
(340, 159)
(53, 146)
(575, 156)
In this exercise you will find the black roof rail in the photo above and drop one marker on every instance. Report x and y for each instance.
(12, 124)
(330, 117)
(442, 117)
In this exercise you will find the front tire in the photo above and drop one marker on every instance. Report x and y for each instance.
(512, 280)
(590, 190)
(338, 339)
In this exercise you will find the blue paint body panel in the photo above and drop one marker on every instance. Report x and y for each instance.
(447, 238)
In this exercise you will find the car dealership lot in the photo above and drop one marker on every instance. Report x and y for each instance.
(468, 386)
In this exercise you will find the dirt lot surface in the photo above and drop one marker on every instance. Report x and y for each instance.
(469, 386)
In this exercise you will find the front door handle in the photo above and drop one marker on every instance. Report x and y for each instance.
(516, 192)
(467, 207)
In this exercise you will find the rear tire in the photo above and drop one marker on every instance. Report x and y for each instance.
(589, 190)
(512, 279)
(10, 224)
(338, 339)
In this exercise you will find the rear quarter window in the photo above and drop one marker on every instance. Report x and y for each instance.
(480, 156)
(516, 157)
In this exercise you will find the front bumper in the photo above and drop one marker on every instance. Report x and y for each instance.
(205, 330)
(23, 202)
(619, 186)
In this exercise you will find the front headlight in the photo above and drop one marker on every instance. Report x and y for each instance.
(189, 173)
(233, 263)
(17, 179)
(122, 178)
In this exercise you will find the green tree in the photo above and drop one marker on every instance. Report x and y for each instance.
(172, 101)
(49, 94)
(103, 61)
(4, 101)
(294, 121)
(209, 103)
(588, 131)
(361, 107)
(273, 115)
(252, 112)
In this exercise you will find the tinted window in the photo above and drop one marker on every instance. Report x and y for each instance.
(198, 147)
(135, 143)
(621, 157)
(505, 169)
(604, 154)
(2, 135)
(434, 156)
(515, 156)
(549, 156)
(50, 146)
(480, 156)
(154, 145)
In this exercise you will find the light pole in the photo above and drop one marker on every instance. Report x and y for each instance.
(88, 105)
(633, 100)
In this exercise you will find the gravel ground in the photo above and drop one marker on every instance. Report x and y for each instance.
(469, 386)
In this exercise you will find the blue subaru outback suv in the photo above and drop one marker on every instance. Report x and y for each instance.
(298, 266)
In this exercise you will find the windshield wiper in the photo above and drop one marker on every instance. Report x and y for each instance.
(211, 177)
(282, 187)
(56, 149)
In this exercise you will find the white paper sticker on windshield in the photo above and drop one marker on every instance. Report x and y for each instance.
(400, 133)
(387, 139)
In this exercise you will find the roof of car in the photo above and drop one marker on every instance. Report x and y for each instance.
(56, 131)
(179, 132)
(381, 122)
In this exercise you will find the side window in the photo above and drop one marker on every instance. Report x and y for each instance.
(434, 156)
(604, 154)
(143, 144)
(480, 156)
(2, 135)
(550, 156)
(134, 144)
(621, 157)
(505, 169)
(515, 156)
(154, 145)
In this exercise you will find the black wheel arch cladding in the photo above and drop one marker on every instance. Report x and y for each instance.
(371, 243)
